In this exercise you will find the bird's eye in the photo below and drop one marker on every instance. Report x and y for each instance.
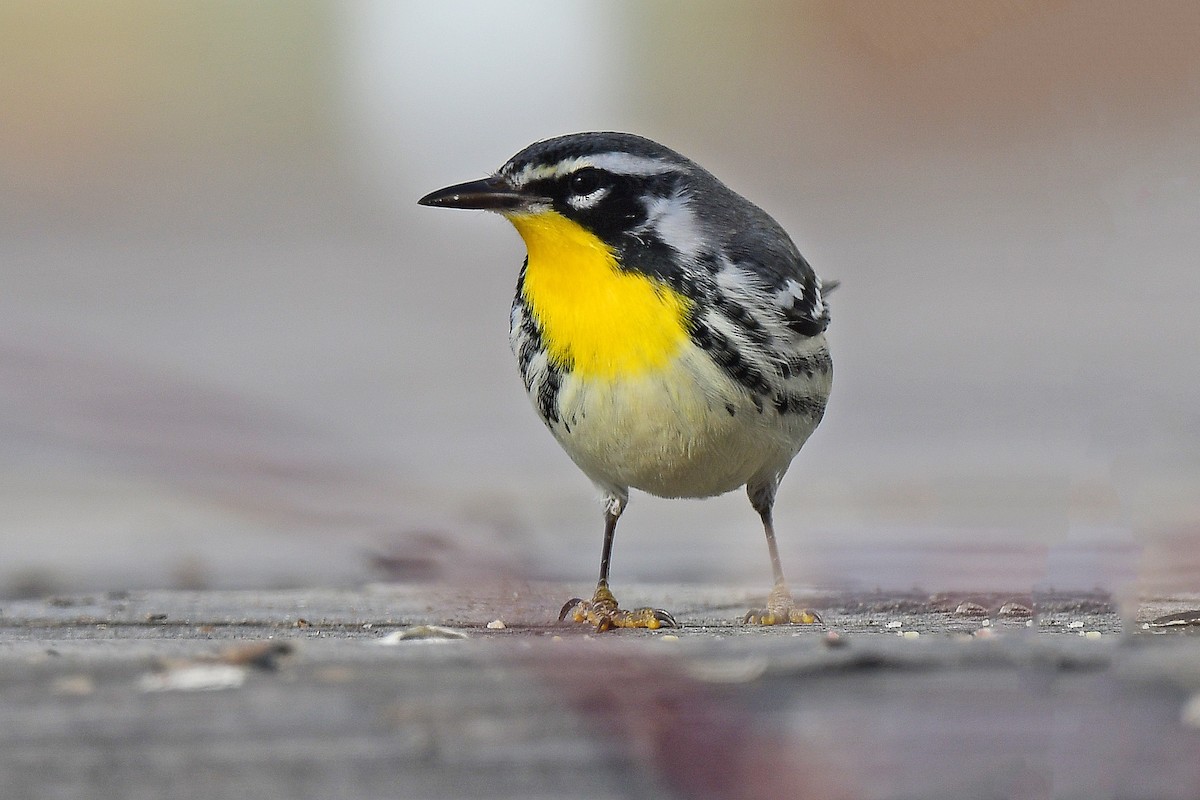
(586, 180)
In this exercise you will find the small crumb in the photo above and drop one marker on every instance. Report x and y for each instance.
(428, 633)
(556, 638)
(895, 624)
(669, 637)
(987, 623)
(366, 626)
(301, 622)
(1015, 610)
(73, 685)
(334, 675)
(1190, 714)
(1182, 619)
(1145, 626)
(1075, 624)
(1092, 635)
(194, 678)
(728, 670)
(262, 655)
(497, 625)
(911, 634)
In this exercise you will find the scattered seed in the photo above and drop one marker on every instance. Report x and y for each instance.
(194, 678)
(728, 670)
(73, 685)
(1181, 619)
(262, 655)
(428, 633)
(1015, 610)
(1190, 714)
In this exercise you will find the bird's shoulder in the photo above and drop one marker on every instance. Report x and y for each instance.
(759, 263)
(767, 273)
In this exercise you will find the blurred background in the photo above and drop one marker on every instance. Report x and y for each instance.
(235, 352)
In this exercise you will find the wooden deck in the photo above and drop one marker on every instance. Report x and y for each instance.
(298, 695)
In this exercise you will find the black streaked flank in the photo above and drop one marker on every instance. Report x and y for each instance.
(799, 404)
(741, 316)
(530, 346)
(726, 354)
(806, 364)
(547, 395)
(543, 386)
(530, 340)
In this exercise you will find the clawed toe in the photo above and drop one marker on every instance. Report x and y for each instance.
(664, 618)
(602, 612)
(781, 609)
(789, 616)
(569, 608)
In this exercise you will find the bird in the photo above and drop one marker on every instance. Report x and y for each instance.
(668, 333)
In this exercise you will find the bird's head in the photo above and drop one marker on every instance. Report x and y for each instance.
(623, 189)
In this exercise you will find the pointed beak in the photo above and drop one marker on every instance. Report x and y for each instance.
(489, 194)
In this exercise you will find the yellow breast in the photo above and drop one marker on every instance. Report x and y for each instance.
(596, 319)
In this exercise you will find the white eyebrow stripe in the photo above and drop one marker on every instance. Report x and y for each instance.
(616, 163)
(626, 164)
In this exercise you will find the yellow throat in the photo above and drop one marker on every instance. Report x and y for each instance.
(597, 319)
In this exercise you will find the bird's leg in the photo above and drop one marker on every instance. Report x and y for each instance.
(602, 611)
(780, 609)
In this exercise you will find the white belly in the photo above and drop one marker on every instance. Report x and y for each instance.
(688, 431)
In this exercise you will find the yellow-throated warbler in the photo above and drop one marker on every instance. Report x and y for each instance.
(669, 333)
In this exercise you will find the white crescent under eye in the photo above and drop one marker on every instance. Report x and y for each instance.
(582, 201)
